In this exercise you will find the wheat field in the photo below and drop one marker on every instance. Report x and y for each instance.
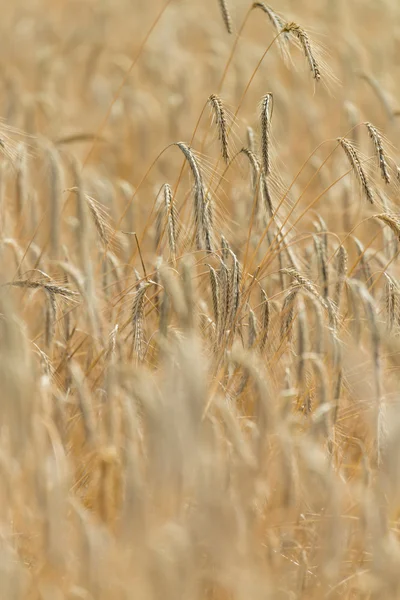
(199, 300)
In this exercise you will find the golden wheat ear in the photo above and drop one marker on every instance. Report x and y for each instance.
(379, 150)
(357, 167)
(226, 15)
(221, 121)
(265, 123)
(304, 41)
(392, 222)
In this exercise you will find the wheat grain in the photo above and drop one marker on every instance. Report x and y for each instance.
(392, 221)
(225, 15)
(221, 121)
(356, 165)
(378, 145)
(265, 122)
(304, 40)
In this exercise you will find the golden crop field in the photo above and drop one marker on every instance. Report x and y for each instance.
(199, 300)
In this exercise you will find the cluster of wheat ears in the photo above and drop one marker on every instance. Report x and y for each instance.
(199, 339)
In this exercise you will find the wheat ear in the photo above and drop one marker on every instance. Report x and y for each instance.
(356, 165)
(378, 145)
(265, 122)
(225, 15)
(221, 121)
(305, 44)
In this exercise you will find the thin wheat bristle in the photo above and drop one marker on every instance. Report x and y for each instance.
(378, 145)
(221, 121)
(225, 15)
(356, 165)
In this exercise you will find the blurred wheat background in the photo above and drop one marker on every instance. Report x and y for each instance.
(199, 300)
